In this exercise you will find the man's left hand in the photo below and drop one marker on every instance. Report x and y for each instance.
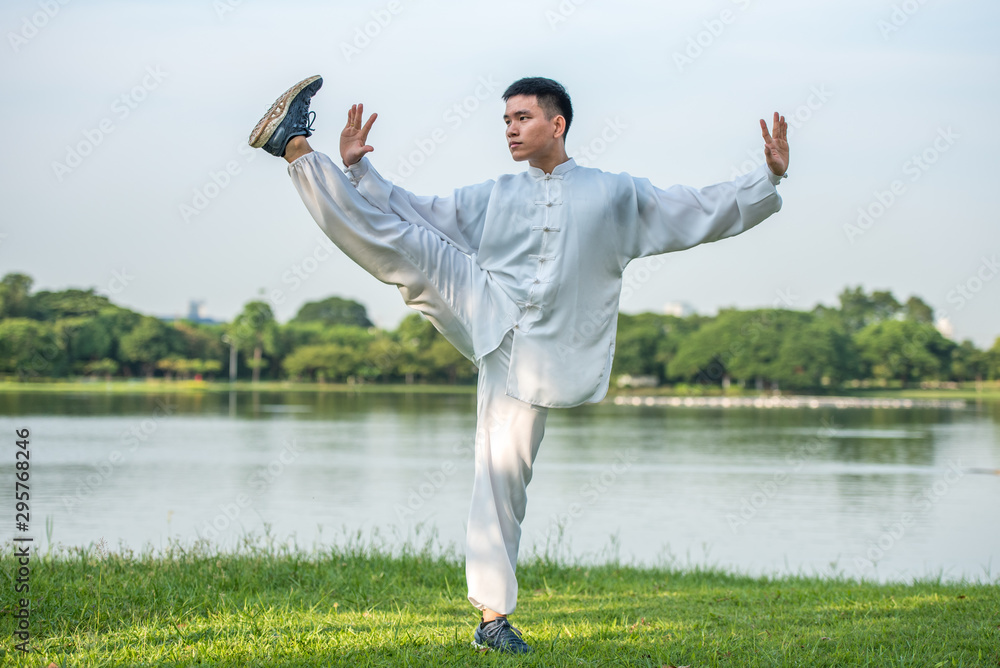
(776, 144)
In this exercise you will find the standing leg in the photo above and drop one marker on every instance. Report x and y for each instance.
(508, 433)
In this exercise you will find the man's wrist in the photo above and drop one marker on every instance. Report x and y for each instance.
(356, 171)
(775, 178)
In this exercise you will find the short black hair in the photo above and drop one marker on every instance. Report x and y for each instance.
(551, 96)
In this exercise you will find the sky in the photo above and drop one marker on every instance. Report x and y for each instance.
(126, 168)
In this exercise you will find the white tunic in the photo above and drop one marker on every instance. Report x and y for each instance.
(557, 244)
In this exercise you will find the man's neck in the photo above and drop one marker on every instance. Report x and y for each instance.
(550, 162)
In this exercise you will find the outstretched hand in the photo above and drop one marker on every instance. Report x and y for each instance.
(776, 144)
(354, 136)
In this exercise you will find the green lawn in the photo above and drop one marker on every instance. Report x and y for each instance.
(264, 605)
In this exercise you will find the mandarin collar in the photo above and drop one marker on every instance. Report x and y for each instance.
(557, 172)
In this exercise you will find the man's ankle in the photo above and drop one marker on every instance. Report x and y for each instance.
(296, 147)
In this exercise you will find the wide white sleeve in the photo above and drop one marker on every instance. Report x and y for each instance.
(457, 218)
(653, 220)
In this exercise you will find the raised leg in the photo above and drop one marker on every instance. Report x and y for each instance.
(434, 277)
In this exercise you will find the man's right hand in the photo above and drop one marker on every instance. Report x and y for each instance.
(354, 136)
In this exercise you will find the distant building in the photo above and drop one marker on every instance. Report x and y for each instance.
(678, 309)
(627, 380)
(944, 326)
(195, 313)
(196, 310)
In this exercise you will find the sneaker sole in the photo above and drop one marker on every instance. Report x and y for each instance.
(484, 648)
(276, 114)
(490, 648)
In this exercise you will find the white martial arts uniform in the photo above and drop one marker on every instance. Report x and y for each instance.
(523, 275)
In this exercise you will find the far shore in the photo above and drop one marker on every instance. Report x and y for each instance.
(989, 391)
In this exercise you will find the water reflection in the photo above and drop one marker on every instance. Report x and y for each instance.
(763, 490)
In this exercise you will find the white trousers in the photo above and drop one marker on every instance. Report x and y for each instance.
(453, 292)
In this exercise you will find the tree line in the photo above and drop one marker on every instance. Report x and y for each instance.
(867, 337)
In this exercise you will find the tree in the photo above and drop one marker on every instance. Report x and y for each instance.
(444, 359)
(255, 329)
(119, 322)
(70, 303)
(737, 344)
(968, 362)
(146, 345)
(757, 352)
(859, 310)
(200, 341)
(676, 331)
(703, 356)
(636, 345)
(171, 365)
(333, 311)
(993, 361)
(322, 362)
(422, 351)
(884, 305)
(415, 335)
(31, 349)
(816, 354)
(105, 367)
(15, 295)
(209, 368)
(903, 350)
(383, 358)
(86, 339)
(917, 310)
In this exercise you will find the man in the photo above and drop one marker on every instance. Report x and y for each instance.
(522, 275)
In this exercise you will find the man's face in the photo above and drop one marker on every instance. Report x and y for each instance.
(529, 133)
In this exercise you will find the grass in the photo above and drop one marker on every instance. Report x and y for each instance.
(264, 604)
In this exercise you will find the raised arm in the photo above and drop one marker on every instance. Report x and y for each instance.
(657, 221)
(458, 218)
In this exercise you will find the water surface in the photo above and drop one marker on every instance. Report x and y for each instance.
(886, 493)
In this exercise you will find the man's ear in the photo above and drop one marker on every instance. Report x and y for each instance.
(560, 123)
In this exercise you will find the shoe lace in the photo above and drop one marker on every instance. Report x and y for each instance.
(311, 116)
(505, 634)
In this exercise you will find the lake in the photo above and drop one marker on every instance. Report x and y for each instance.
(889, 492)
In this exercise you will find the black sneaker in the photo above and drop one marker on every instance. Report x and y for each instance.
(288, 117)
(501, 636)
